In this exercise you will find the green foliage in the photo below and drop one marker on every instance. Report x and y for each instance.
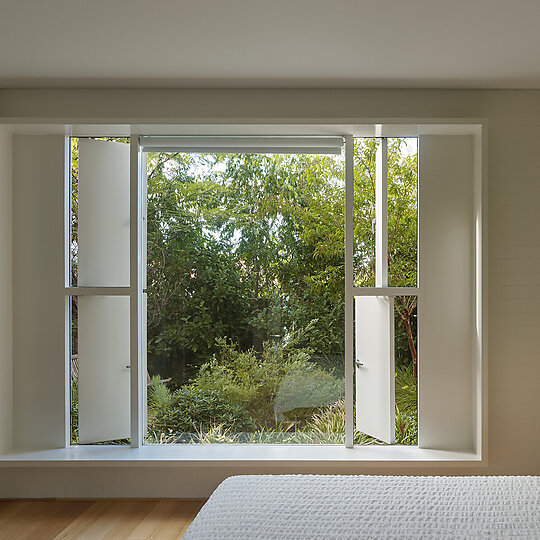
(245, 251)
(406, 428)
(402, 213)
(230, 254)
(307, 386)
(274, 383)
(249, 247)
(406, 406)
(245, 289)
(328, 427)
(74, 410)
(324, 426)
(159, 397)
(402, 350)
(406, 391)
(329, 424)
(191, 410)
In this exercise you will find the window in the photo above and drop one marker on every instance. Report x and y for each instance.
(245, 296)
(380, 282)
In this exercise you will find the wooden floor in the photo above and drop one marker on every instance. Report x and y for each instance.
(114, 519)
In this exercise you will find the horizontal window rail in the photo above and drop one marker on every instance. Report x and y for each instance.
(247, 145)
(386, 291)
(98, 291)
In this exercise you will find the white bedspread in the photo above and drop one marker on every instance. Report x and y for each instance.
(324, 507)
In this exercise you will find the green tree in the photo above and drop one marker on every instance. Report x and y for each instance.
(402, 226)
(251, 247)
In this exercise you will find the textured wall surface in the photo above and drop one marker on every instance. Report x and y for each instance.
(6, 364)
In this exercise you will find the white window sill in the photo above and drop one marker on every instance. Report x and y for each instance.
(219, 453)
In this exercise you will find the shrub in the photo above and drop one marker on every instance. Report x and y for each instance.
(306, 386)
(406, 395)
(280, 379)
(406, 406)
(158, 395)
(328, 427)
(406, 428)
(74, 410)
(191, 410)
(243, 379)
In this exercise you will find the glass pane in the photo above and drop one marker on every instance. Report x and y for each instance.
(365, 150)
(406, 362)
(100, 369)
(402, 212)
(245, 267)
(374, 357)
(100, 227)
(406, 378)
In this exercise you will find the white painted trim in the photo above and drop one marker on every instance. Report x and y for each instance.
(381, 215)
(67, 283)
(98, 291)
(386, 291)
(480, 352)
(279, 126)
(349, 300)
(482, 147)
(67, 371)
(137, 407)
(243, 144)
(201, 454)
(456, 126)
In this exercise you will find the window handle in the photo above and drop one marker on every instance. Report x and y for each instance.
(359, 364)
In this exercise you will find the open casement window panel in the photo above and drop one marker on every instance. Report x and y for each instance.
(110, 287)
(374, 327)
(446, 294)
(225, 219)
(102, 316)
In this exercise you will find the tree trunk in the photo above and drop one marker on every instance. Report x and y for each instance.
(407, 323)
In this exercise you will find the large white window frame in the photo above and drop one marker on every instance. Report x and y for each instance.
(135, 289)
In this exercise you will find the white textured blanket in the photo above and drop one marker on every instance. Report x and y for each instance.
(324, 507)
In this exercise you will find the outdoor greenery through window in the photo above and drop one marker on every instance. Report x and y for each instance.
(98, 323)
(245, 293)
(245, 304)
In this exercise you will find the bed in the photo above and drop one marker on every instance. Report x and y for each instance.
(325, 507)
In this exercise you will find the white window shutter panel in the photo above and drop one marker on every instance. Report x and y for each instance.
(104, 382)
(103, 214)
(103, 261)
(375, 367)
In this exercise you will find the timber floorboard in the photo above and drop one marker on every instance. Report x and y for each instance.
(133, 519)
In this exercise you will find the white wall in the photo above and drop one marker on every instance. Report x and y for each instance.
(6, 363)
(446, 278)
(513, 264)
(38, 286)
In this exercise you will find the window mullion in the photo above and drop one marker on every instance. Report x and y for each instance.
(349, 299)
(136, 301)
(381, 215)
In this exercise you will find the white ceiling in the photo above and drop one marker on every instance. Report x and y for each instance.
(272, 43)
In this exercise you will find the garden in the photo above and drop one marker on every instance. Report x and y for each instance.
(245, 293)
(245, 264)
